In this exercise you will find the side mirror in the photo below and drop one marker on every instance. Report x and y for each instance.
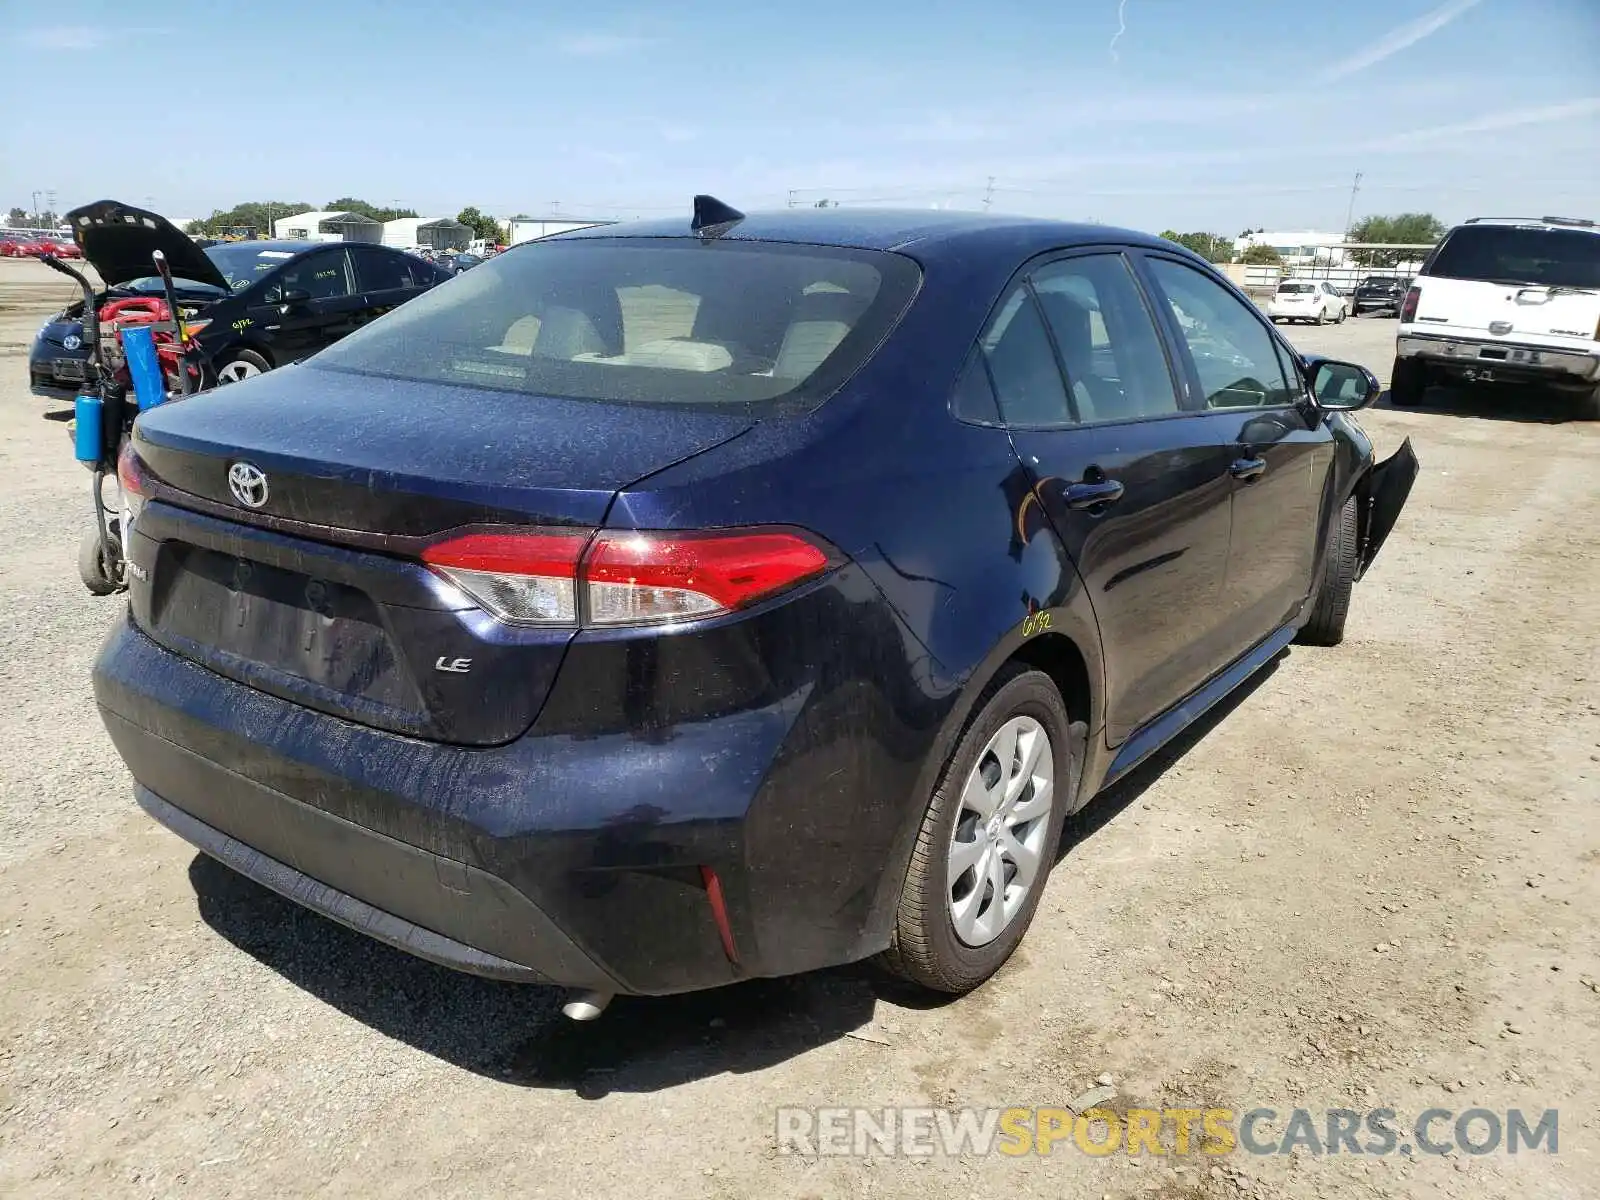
(1341, 386)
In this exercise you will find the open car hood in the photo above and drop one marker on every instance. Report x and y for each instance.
(117, 239)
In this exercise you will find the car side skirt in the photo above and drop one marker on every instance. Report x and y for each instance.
(1150, 737)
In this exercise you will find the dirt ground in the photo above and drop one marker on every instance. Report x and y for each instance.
(1369, 881)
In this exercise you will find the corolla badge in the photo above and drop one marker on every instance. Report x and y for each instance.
(71, 342)
(248, 484)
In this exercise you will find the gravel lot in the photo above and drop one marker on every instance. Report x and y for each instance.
(1369, 881)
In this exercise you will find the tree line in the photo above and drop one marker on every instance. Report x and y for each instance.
(1410, 229)
(258, 215)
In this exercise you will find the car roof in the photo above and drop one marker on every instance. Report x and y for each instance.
(928, 232)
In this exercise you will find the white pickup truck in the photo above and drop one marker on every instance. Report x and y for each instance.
(1509, 300)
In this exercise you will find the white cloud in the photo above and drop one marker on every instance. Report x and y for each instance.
(1515, 118)
(598, 45)
(65, 37)
(1401, 37)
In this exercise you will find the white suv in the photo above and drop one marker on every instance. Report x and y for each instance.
(1505, 300)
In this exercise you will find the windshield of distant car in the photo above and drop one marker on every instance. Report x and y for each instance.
(1291, 289)
(1373, 281)
(646, 321)
(242, 263)
(153, 285)
(1536, 256)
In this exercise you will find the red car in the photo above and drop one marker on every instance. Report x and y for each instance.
(59, 247)
(17, 245)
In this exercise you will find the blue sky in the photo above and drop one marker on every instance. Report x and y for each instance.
(1149, 113)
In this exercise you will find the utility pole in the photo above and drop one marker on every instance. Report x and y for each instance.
(1350, 214)
(988, 194)
(50, 205)
(791, 197)
(35, 213)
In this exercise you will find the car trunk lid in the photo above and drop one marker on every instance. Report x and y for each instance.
(311, 585)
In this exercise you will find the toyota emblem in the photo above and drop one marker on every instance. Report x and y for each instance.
(248, 484)
(71, 342)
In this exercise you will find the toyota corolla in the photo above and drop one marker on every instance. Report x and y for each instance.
(664, 605)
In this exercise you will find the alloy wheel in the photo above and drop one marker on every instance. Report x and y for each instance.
(997, 842)
(236, 370)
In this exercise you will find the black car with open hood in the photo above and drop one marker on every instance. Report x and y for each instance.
(251, 305)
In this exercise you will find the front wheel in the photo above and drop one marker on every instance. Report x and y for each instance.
(1332, 603)
(241, 365)
(988, 839)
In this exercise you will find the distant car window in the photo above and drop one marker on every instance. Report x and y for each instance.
(423, 273)
(380, 272)
(643, 321)
(1022, 364)
(1234, 355)
(1293, 289)
(242, 263)
(323, 275)
(1108, 343)
(1510, 254)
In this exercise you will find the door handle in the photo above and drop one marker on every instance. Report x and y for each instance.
(1248, 469)
(1092, 495)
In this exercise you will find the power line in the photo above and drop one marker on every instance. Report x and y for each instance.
(1350, 213)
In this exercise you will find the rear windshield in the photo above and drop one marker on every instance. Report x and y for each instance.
(1512, 254)
(1285, 289)
(646, 321)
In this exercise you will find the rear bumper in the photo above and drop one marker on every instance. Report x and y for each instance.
(1481, 358)
(573, 855)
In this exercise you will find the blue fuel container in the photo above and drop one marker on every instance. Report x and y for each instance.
(139, 345)
(87, 433)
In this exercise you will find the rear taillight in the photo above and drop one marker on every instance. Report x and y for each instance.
(131, 479)
(538, 577)
(1408, 306)
(524, 578)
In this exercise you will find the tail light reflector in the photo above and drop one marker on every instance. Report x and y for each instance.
(634, 578)
(522, 578)
(1408, 306)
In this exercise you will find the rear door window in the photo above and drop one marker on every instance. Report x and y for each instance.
(380, 272)
(1115, 366)
(647, 321)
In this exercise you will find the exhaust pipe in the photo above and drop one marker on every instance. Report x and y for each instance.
(585, 1006)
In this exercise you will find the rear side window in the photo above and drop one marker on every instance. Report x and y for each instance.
(1115, 365)
(646, 321)
(380, 272)
(1022, 364)
(1510, 254)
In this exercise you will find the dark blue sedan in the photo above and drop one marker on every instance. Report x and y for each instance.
(665, 605)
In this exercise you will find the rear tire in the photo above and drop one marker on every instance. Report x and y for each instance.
(1589, 404)
(1332, 604)
(926, 948)
(1322, 316)
(1407, 382)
